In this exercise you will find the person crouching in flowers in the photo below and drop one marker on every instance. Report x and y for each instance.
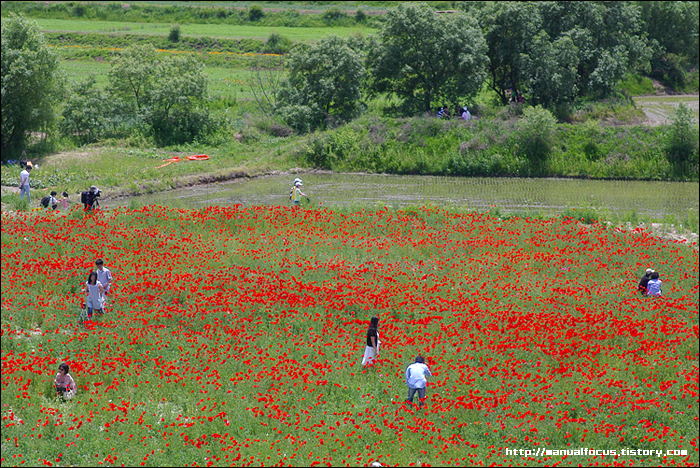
(417, 379)
(373, 342)
(64, 383)
(96, 294)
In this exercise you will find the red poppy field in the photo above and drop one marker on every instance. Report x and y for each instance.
(234, 336)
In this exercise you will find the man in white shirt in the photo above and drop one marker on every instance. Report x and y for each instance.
(24, 182)
(104, 276)
(416, 379)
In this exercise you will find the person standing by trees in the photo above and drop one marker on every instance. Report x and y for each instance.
(373, 342)
(24, 182)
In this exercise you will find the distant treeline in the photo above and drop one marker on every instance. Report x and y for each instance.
(149, 13)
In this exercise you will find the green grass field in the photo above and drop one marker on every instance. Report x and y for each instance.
(197, 30)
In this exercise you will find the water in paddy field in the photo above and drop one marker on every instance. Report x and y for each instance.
(546, 196)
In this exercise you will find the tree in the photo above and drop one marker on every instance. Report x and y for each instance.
(550, 68)
(165, 92)
(30, 82)
(427, 58)
(265, 82)
(606, 36)
(324, 81)
(85, 112)
(672, 31)
(509, 30)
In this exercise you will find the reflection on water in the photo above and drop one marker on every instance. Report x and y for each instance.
(547, 196)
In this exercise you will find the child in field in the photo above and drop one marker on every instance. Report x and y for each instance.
(64, 201)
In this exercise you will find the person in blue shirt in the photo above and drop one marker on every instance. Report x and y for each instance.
(417, 379)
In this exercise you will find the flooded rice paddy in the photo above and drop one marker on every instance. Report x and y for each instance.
(546, 196)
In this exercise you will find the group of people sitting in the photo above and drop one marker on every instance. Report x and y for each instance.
(462, 112)
(650, 284)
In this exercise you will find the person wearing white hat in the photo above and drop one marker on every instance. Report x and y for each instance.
(296, 193)
(642, 287)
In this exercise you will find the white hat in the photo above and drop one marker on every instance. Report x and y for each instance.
(649, 271)
(93, 188)
(297, 180)
(298, 184)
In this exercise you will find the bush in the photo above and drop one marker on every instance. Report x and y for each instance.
(255, 13)
(174, 35)
(277, 44)
(535, 131)
(682, 140)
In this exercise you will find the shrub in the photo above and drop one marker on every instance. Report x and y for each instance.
(255, 13)
(360, 16)
(174, 35)
(682, 140)
(535, 131)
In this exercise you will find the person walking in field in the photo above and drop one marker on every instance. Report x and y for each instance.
(104, 276)
(64, 383)
(654, 285)
(297, 194)
(95, 300)
(24, 182)
(417, 379)
(372, 343)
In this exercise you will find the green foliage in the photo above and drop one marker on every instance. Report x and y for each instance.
(535, 135)
(85, 112)
(255, 12)
(30, 83)
(509, 30)
(324, 82)
(277, 44)
(636, 85)
(174, 35)
(551, 71)
(427, 59)
(682, 141)
(672, 31)
(166, 92)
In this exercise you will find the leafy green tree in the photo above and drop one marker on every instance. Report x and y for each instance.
(672, 31)
(606, 36)
(324, 80)
(85, 112)
(509, 30)
(166, 92)
(30, 82)
(550, 68)
(682, 140)
(427, 58)
(132, 74)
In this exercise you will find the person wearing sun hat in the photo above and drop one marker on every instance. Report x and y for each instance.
(297, 193)
(642, 286)
(291, 190)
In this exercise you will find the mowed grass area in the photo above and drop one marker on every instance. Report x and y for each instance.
(660, 108)
(197, 30)
(223, 82)
(234, 335)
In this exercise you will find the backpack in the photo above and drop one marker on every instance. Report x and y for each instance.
(84, 197)
(45, 201)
